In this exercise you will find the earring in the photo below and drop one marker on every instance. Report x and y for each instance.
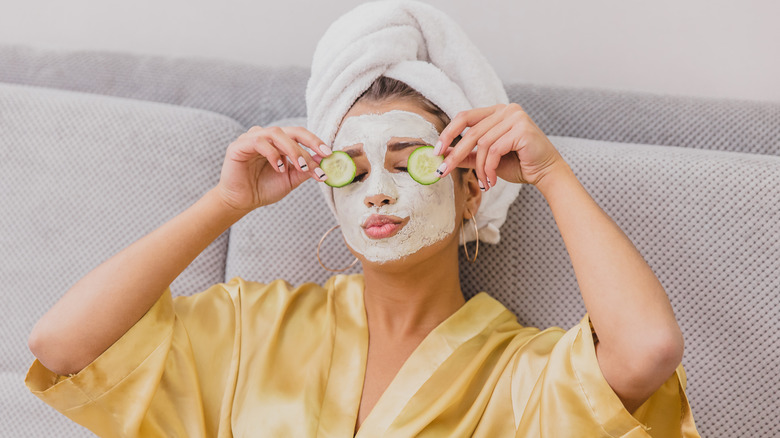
(463, 238)
(320, 260)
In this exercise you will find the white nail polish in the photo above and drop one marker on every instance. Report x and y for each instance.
(437, 148)
(325, 150)
(442, 169)
(481, 186)
(320, 174)
(302, 163)
(280, 165)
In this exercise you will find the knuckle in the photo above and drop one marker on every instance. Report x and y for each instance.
(514, 107)
(469, 135)
(275, 131)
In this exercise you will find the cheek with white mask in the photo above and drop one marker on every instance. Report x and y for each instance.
(427, 211)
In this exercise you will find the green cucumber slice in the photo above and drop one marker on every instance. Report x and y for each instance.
(340, 169)
(422, 165)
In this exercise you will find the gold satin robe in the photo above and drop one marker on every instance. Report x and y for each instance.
(246, 359)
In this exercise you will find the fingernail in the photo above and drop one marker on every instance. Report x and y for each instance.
(481, 186)
(280, 165)
(320, 174)
(490, 184)
(302, 163)
(325, 150)
(442, 169)
(437, 148)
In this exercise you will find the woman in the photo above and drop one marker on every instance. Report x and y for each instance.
(395, 351)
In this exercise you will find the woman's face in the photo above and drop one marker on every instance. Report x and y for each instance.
(384, 214)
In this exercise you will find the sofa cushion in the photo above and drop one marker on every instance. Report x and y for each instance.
(706, 222)
(645, 118)
(81, 177)
(250, 94)
(258, 95)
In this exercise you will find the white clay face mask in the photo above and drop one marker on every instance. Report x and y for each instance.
(427, 212)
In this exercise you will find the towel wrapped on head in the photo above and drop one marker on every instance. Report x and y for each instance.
(419, 45)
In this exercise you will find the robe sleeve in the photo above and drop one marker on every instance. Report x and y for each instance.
(168, 375)
(571, 394)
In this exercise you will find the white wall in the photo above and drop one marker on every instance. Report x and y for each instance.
(713, 48)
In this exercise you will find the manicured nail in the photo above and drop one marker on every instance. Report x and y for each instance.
(481, 186)
(320, 174)
(280, 165)
(490, 184)
(437, 148)
(442, 169)
(325, 150)
(302, 163)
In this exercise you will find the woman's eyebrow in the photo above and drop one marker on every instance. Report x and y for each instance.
(353, 151)
(397, 146)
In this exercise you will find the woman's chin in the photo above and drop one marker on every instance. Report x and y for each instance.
(390, 259)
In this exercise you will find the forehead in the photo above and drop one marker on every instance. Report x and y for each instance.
(377, 129)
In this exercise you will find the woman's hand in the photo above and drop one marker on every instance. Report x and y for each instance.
(509, 146)
(265, 164)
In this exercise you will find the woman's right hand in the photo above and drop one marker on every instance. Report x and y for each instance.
(263, 165)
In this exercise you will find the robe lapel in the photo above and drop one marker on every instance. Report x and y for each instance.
(469, 321)
(344, 381)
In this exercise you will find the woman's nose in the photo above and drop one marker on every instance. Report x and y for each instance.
(379, 200)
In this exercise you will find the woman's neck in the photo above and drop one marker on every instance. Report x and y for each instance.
(411, 300)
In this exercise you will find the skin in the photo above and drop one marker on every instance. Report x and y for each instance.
(407, 298)
(381, 145)
(640, 342)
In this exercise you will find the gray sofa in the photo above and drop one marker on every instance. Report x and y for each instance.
(98, 149)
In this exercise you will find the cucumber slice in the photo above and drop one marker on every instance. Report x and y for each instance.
(422, 165)
(340, 169)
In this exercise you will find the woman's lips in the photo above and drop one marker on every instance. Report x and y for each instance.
(382, 227)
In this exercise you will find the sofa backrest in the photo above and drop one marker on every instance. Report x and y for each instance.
(257, 95)
(81, 177)
(707, 222)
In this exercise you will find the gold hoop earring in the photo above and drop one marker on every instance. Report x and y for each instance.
(320, 260)
(463, 238)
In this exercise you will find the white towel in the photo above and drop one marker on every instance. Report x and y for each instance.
(419, 45)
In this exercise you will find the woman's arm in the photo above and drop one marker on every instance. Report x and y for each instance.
(110, 299)
(105, 303)
(640, 343)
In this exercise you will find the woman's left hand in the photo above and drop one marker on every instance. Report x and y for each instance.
(508, 144)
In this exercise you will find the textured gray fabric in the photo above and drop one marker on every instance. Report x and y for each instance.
(252, 95)
(81, 177)
(706, 222)
(643, 118)
(256, 95)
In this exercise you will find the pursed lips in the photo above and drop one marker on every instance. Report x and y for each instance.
(383, 226)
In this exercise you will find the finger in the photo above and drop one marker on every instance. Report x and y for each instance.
(485, 147)
(248, 149)
(296, 178)
(467, 143)
(301, 159)
(470, 162)
(500, 148)
(308, 139)
(461, 121)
